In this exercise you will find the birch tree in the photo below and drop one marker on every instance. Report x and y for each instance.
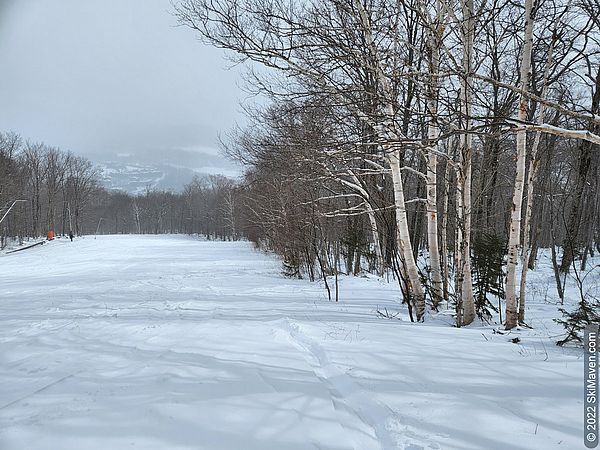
(465, 303)
(435, 34)
(517, 201)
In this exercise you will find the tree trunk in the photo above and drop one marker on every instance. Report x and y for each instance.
(444, 234)
(531, 180)
(517, 200)
(413, 283)
(466, 153)
(433, 133)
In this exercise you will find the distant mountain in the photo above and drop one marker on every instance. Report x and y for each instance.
(135, 178)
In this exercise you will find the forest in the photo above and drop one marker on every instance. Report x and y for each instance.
(442, 143)
(59, 191)
(445, 141)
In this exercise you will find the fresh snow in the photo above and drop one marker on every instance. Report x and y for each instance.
(171, 342)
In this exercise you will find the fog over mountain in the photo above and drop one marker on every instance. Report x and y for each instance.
(117, 82)
(159, 170)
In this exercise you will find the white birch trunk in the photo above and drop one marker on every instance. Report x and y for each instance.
(432, 231)
(515, 220)
(468, 31)
(413, 282)
(467, 284)
(458, 250)
(532, 176)
(444, 234)
(433, 133)
(531, 179)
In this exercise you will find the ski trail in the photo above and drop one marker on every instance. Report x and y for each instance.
(37, 391)
(346, 394)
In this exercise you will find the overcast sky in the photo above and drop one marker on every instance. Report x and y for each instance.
(108, 77)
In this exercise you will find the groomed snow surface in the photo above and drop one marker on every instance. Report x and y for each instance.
(171, 342)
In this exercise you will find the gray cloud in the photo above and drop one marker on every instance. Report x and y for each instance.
(108, 77)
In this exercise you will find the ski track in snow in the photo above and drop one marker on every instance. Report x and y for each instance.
(350, 397)
(344, 393)
(162, 342)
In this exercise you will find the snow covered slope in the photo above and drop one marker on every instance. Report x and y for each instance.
(136, 178)
(175, 343)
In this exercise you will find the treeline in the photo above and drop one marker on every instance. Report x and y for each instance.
(446, 141)
(53, 190)
(206, 206)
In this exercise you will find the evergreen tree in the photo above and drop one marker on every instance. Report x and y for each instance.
(488, 259)
(576, 321)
